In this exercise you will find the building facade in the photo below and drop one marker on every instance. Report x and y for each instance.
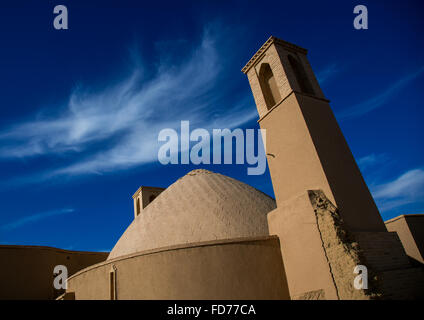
(208, 236)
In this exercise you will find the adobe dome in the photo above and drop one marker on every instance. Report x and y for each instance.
(201, 206)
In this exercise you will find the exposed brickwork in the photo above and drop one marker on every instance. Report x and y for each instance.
(390, 273)
(341, 249)
(383, 250)
(257, 92)
(403, 284)
(276, 57)
(311, 295)
(281, 72)
(385, 255)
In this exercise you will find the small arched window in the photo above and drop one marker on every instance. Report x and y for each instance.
(300, 74)
(138, 206)
(269, 86)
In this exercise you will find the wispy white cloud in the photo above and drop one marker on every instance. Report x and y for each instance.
(327, 73)
(405, 189)
(371, 160)
(34, 218)
(380, 99)
(125, 119)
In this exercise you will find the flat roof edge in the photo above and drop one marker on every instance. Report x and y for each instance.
(421, 215)
(178, 247)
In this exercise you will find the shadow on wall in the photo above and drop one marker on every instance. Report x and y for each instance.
(26, 272)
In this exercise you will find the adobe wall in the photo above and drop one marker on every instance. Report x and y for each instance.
(385, 255)
(410, 229)
(311, 225)
(291, 152)
(306, 268)
(243, 268)
(306, 147)
(26, 272)
(352, 196)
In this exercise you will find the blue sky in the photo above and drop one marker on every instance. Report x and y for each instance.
(81, 108)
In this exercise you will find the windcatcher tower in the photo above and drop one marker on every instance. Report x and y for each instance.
(306, 149)
(320, 192)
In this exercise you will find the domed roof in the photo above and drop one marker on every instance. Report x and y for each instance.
(201, 206)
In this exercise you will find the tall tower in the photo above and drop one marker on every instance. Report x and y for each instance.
(315, 177)
(306, 149)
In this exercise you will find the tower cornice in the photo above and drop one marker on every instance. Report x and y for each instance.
(266, 45)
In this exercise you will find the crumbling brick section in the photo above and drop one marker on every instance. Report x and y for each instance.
(383, 250)
(385, 254)
(311, 295)
(341, 250)
(390, 274)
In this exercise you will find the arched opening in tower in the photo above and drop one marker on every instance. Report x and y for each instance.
(138, 206)
(269, 86)
(300, 74)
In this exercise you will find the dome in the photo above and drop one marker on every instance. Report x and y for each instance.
(201, 206)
